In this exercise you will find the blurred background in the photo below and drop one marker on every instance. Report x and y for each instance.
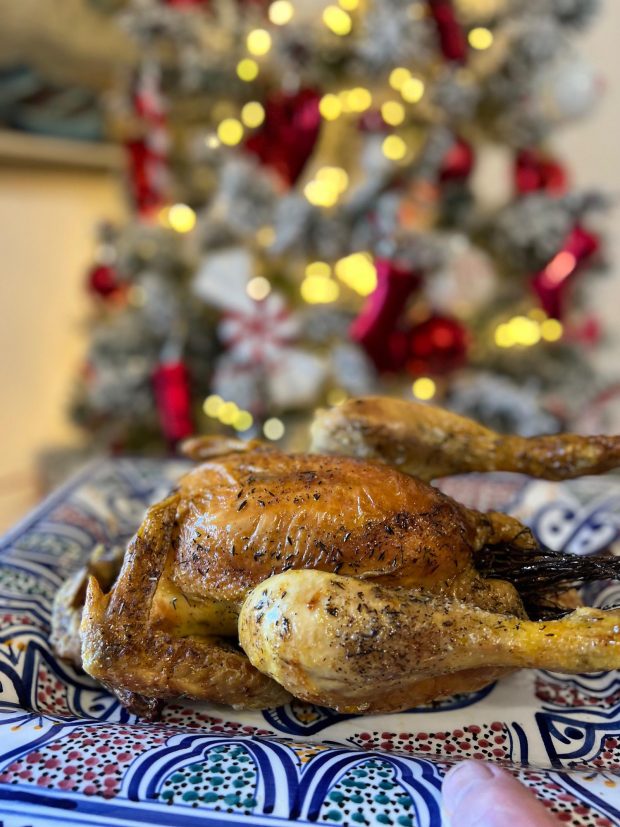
(217, 215)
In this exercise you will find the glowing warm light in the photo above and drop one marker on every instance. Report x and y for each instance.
(212, 141)
(519, 330)
(258, 42)
(551, 330)
(412, 90)
(181, 218)
(349, 5)
(394, 148)
(424, 388)
(334, 176)
(330, 107)
(393, 113)
(253, 114)
(230, 131)
(227, 413)
(319, 290)
(273, 428)
(281, 12)
(242, 421)
(318, 268)
(212, 405)
(358, 272)
(336, 396)
(258, 288)
(560, 266)
(266, 236)
(358, 99)
(337, 20)
(321, 193)
(480, 38)
(247, 69)
(398, 77)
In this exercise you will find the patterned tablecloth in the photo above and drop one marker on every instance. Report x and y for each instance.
(70, 754)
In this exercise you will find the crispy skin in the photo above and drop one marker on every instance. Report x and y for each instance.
(169, 625)
(361, 647)
(431, 442)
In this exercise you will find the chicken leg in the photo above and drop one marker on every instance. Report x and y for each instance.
(430, 442)
(359, 646)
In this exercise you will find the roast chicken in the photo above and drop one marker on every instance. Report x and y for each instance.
(340, 580)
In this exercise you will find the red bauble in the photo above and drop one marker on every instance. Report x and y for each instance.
(553, 282)
(289, 133)
(534, 171)
(452, 40)
(103, 281)
(437, 345)
(376, 328)
(458, 162)
(172, 398)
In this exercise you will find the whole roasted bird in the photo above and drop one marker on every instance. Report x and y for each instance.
(342, 580)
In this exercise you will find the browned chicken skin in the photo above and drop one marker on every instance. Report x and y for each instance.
(251, 515)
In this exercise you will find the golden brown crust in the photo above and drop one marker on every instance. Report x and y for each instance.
(430, 442)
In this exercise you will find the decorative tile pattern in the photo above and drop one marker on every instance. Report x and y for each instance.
(69, 754)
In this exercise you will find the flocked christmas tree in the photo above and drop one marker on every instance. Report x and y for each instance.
(312, 216)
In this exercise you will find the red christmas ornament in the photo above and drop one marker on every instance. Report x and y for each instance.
(437, 345)
(376, 328)
(103, 281)
(289, 132)
(534, 171)
(172, 398)
(552, 283)
(452, 40)
(458, 162)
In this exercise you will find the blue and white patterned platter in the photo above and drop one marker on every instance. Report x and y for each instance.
(69, 754)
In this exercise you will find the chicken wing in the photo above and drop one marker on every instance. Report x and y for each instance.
(431, 442)
(357, 646)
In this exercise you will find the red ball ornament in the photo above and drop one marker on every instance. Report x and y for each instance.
(534, 171)
(553, 282)
(437, 345)
(376, 329)
(103, 281)
(458, 162)
(172, 398)
(452, 40)
(289, 132)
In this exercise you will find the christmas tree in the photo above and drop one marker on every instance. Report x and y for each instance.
(315, 217)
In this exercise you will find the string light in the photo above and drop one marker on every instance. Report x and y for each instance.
(520, 330)
(258, 42)
(247, 69)
(281, 12)
(349, 5)
(321, 193)
(212, 141)
(258, 288)
(181, 218)
(273, 428)
(424, 388)
(330, 107)
(227, 413)
(398, 77)
(230, 131)
(412, 90)
(212, 405)
(253, 114)
(393, 113)
(480, 38)
(394, 148)
(337, 20)
(336, 176)
(358, 99)
(242, 421)
(551, 330)
(358, 272)
(319, 290)
(336, 396)
(318, 268)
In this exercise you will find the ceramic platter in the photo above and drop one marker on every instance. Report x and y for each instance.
(69, 754)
